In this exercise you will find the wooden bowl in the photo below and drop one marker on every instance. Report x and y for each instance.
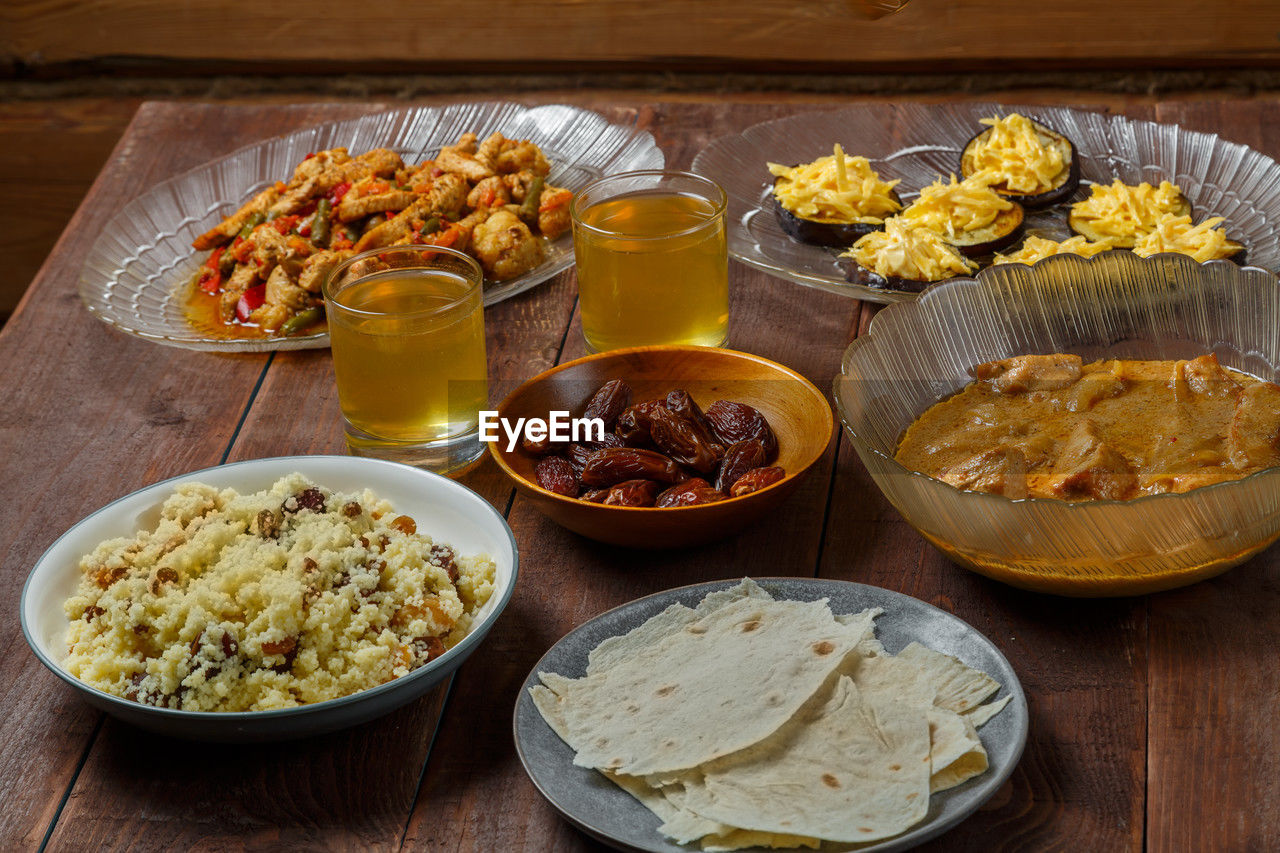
(798, 412)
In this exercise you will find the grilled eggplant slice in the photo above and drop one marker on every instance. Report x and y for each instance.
(1003, 232)
(968, 214)
(1202, 242)
(825, 231)
(859, 274)
(833, 200)
(1054, 190)
(1167, 199)
(904, 257)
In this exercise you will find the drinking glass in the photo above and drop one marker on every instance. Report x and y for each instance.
(653, 264)
(406, 326)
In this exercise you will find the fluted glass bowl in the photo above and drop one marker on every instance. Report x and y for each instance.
(1115, 305)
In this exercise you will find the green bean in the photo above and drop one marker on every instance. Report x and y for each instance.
(320, 224)
(301, 320)
(529, 209)
(431, 226)
(254, 220)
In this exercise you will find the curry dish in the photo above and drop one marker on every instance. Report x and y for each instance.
(1049, 426)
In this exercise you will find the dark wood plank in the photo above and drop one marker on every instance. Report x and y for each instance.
(1214, 680)
(90, 414)
(552, 34)
(66, 143)
(78, 436)
(474, 794)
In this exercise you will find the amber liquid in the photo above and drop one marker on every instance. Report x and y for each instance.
(409, 354)
(659, 277)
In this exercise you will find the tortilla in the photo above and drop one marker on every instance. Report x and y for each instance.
(734, 725)
(640, 712)
(854, 768)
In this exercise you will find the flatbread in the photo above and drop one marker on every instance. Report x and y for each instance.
(750, 722)
(656, 704)
(852, 769)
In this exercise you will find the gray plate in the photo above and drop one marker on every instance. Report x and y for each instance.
(606, 812)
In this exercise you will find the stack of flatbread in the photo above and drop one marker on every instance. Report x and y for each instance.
(748, 721)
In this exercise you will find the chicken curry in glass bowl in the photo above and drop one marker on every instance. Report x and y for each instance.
(1006, 479)
(1050, 426)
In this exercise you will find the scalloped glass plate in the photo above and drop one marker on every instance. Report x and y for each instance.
(136, 272)
(919, 142)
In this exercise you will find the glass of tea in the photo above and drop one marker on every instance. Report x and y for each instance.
(653, 264)
(406, 326)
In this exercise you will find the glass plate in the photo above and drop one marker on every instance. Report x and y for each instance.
(138, 268)
(919, 142)
(608, 813)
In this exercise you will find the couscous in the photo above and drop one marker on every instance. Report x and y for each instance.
(288, 596)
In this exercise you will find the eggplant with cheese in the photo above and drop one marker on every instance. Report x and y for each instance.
(904, 257)
(1037, 248)
(833, 200)
(968, 214)
(1029, 163)
(1124, 214)
(1203, 242)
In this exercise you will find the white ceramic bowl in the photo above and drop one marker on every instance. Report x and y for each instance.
(442, 508)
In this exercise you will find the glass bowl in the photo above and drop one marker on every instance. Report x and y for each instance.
(1115, 305)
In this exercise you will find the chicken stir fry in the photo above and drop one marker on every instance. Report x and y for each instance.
(489, 199)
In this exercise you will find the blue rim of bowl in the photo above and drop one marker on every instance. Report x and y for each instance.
(1017, 694)
(979, 279)
(467, 642)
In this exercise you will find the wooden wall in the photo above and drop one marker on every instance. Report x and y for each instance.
(539, 34)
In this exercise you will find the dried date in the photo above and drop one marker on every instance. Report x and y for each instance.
(577, 454)
(691, 492)
(733, 422)
(755, 480)
(632, 493)
(555, 474)
(607, 403)
(683, 441)
(661, 452)
(635, 424)
(685, 406)
(611, 465)
(539, 447)
(740, 458)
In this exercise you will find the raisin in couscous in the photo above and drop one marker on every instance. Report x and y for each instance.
(284, 597)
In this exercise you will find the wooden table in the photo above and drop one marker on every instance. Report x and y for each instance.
(1153, 720)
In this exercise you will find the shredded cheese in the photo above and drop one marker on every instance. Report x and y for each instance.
(1124, 212)
(1203, 242)
(908, 252)
(1019, 156)
(838, 188)
(950, 209)
(1038, 248)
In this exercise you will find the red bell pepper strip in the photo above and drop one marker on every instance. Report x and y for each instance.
(249, 300)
